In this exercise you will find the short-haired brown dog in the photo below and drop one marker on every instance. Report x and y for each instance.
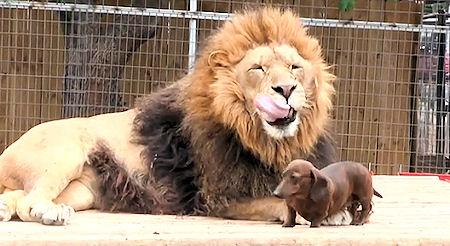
(316, 194)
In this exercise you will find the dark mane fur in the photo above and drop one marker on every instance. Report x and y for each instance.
(197, 136)
(232, 173)
(120, 192)
(157, 126)
(324, 152)
(179, 179)
(222, 158)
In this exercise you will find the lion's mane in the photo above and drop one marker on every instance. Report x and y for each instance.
(204, 146)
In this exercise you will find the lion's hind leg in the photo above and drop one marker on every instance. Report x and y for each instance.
(80, 194)
(51, 172)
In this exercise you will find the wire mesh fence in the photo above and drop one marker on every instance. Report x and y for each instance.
(80, 58)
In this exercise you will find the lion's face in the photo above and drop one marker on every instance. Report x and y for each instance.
(262, 78)
(278, 86)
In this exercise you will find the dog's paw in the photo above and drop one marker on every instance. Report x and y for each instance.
(5, 214)
(288, 224)
(357, 223)
(52, 214)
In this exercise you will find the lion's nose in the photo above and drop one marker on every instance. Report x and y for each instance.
(284, 90)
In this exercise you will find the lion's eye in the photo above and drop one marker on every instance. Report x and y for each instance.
(293, 66)
(257, 67)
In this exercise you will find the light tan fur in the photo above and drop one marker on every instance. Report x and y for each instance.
(45, 168)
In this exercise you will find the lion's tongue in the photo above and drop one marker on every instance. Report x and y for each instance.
(271, 110)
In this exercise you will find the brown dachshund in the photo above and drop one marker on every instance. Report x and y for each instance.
(316, 194)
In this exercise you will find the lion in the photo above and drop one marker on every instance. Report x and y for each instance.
(213, 143)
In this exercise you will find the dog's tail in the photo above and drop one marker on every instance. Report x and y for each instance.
(376, 193)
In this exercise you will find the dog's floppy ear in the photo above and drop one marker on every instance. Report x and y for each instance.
(319, 187)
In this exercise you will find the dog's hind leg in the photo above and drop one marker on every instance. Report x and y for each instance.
(364, 214)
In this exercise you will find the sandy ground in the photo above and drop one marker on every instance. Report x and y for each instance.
(414, 211)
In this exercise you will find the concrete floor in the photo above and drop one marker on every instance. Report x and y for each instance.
(414, 211)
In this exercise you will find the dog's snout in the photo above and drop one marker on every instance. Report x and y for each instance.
(276, 193)
(284, 90)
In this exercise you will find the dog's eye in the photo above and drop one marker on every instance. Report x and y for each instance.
(293, 180)
(294, 66)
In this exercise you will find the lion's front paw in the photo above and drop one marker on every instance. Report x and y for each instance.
(301, 221)
(52, 214)
(5, 213)
(341, 218)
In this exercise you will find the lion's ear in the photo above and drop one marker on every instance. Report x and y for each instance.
(218, 58)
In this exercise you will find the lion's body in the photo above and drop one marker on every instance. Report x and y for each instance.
(213, 143)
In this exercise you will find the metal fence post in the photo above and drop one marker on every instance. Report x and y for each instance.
(440, 93)
(192, 34)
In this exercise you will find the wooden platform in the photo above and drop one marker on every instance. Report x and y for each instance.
(414, 211)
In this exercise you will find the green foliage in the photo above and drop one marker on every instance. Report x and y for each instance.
(346, 5)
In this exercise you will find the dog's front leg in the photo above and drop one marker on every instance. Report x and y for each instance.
(318, 221)
(290, 217)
